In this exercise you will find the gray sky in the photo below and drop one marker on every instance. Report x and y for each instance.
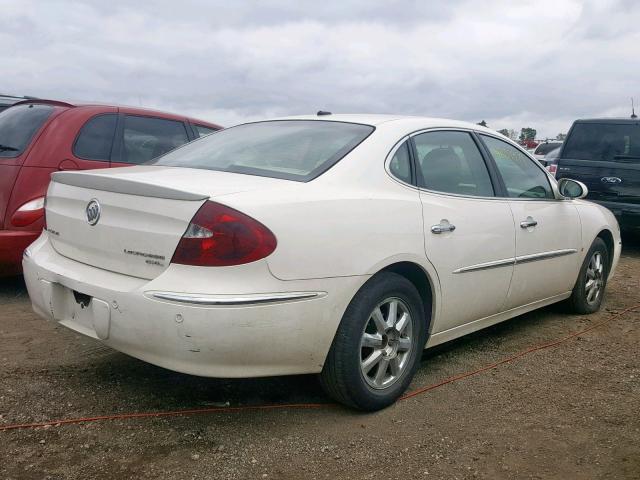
(514, 64)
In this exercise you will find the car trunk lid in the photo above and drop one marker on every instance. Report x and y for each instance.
(130, 220)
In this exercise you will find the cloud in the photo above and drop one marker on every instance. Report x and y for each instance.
(539, 64)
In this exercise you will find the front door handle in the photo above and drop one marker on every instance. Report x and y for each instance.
(443, 226)
(529, 222)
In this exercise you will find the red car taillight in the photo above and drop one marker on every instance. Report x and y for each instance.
(28, 213)
(553, 168)
(219, 236)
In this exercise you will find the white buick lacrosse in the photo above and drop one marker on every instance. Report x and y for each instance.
(334, 244)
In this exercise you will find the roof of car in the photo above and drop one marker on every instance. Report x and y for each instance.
(608, 120)
(140, 110)
(379, 119)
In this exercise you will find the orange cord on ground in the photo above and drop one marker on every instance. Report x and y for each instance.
(413, 393)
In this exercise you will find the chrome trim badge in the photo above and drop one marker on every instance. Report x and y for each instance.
(93, 211)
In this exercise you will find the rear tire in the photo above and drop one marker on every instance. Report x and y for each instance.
(378, 345)
(589, 289)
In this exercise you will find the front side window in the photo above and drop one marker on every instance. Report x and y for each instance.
(521, 176)
(18, 125)
(146, 138)
(290, 149)
(451, 162)
(96, 137)
(400, 165)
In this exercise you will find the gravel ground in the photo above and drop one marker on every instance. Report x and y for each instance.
(569, 412)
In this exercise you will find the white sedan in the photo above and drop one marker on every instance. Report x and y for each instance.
(333, 244)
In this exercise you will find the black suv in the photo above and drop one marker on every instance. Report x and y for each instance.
(604, 154)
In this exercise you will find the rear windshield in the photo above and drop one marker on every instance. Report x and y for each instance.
(290, 149)
(603, 142)
(18, 124)
(545, 148)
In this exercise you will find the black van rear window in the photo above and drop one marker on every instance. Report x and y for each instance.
(18, 125)
(607, 142)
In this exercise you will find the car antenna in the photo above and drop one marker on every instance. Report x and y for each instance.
(322, 112)
(633, 110)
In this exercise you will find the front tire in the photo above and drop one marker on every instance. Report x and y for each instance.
(378, 345)
(588, 291)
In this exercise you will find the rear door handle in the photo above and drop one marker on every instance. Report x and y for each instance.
(443, 226)
(529, 222)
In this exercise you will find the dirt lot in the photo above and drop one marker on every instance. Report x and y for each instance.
(568, 412)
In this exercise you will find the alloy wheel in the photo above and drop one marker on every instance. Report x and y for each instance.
(594, 281)
(386, 343)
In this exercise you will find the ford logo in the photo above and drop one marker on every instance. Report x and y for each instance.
(93, 211)
(611, 180)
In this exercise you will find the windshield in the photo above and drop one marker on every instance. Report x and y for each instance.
(545, 148)
(290, 149)
(18, 124)
(607, 142)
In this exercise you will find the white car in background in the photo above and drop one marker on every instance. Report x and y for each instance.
(546, 147)
(337, 244)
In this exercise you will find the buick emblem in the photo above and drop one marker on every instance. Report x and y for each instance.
(93, 211)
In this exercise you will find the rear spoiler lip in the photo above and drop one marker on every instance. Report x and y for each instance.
(122, 185)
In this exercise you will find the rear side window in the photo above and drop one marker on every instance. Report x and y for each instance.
(521, 175)
(603, 142)
(145, 138)
(201, 130)
(96, 138)
(451, 162)
(289, 149)
(18, 125)
(400, 165)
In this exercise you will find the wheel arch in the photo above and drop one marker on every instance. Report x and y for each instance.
(423, 282)
(607, 237)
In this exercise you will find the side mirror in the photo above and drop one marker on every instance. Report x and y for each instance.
(572, 188)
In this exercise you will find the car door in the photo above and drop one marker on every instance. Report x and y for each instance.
(469, 232)
(548, 231)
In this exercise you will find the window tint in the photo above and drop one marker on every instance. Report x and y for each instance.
(522, 177)
(451, 162)
(201, 130)
(96, 137)
(18, 125)
(400, 165)
(289, 149)
(604, 141)
(146, 138)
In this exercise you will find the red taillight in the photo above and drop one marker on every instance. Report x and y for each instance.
(28, 213)
(219, 236)
(553, 168)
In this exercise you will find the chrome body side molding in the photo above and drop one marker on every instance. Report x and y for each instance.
(231, 300)
(544, 255)
(517, 260)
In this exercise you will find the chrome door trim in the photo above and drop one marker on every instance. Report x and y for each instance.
(231, 300)
(544, 255)
(486, 265)
(517, 260)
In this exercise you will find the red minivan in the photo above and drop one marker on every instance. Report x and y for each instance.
(38, 137)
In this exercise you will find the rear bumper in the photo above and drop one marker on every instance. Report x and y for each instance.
(627, 214)
(12, 244)
(273, 329)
